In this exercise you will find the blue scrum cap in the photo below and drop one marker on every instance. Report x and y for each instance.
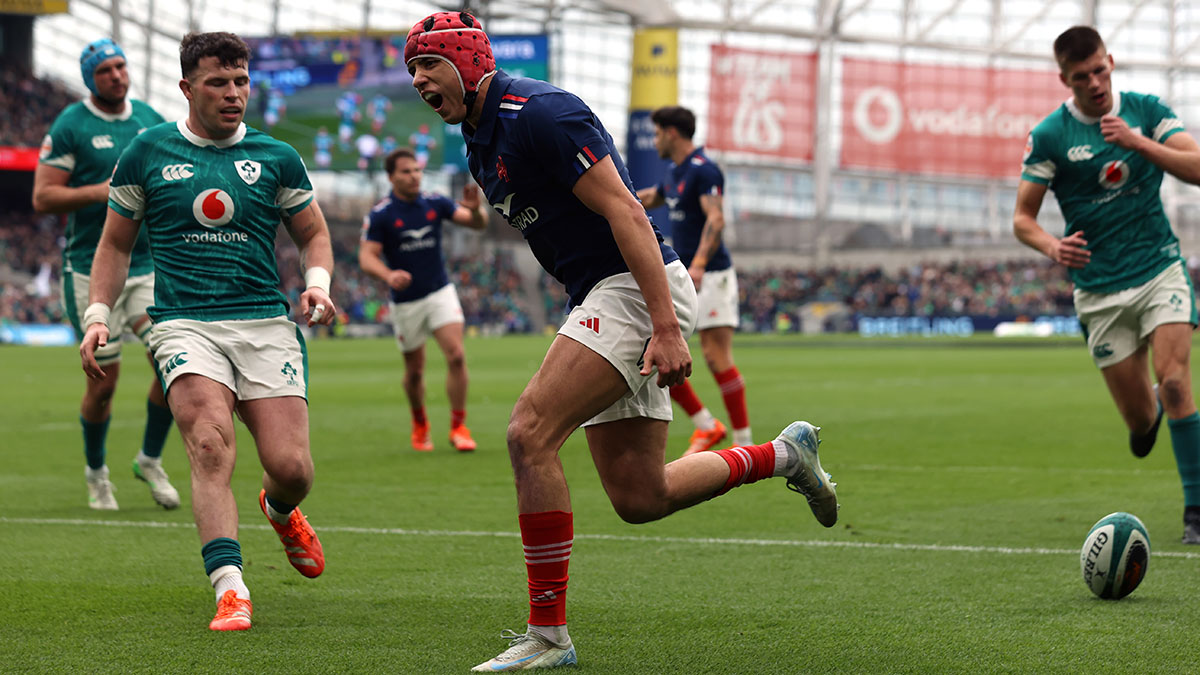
(93, 55)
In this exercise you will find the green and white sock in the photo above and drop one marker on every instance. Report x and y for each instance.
(1185, 440)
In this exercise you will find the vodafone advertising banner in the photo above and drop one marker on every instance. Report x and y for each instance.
(761, 102)
(947, 120)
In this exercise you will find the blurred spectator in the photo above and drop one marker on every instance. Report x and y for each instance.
(29, 106)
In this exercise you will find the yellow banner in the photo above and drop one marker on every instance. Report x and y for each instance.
(655, 80)
(33, 6)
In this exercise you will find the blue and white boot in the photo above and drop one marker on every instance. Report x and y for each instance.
(803, 470)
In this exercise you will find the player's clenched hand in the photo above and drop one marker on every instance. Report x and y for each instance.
(399, 279)
(1071, 250)
(317, 307)
(95, 337)
(669, 353)
(1117, 132)
(696, 272)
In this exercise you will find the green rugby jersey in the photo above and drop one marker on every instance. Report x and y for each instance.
(1109, 193)
(86, 141)
(211, 209)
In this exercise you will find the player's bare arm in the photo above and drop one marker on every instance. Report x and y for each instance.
(1070, 250)
(51, 194)
(601, 190)
(710, 235)
(651, 197)
(109, 271)
(370, 260)
(1179, 155)
(470, 212)
(308, 229)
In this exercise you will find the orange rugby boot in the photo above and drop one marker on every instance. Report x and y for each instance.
(460, 438)
(705, 440)
(299, 541)
(421, 442)
(233, 613)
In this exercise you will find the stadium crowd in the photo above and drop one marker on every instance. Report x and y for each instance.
(29, 105)
(492, 297)
(489, 286)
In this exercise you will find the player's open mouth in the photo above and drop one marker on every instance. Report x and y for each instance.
(231, 113)
(434, 100)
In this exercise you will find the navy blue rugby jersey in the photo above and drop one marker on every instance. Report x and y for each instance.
(411, 235)
(533, 143)
(682, 187)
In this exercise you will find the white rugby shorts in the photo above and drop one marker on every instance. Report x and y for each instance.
(1117, 324)
(254, 358)
(613, 322)
(414, 322)
(718, 297)
(131, 304)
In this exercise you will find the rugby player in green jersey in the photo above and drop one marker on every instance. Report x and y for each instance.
(76, 162)
(1103, 152)
(210, 193)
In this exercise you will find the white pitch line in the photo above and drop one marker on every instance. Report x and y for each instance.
(687, 541)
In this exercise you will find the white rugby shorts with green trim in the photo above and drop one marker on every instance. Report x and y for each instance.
(254, 358)
(1117, 324)
(613, 322)
(130, 306)
(414, 322)
(718, 298)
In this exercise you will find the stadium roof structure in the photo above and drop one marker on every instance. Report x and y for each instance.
(1156, 44)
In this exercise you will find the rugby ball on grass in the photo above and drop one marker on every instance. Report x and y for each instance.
(1115, 555)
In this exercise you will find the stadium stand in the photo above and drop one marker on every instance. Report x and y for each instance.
(29, 105)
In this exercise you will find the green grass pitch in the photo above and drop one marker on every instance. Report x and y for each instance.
(969, 473)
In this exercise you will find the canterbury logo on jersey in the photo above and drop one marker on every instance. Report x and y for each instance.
(1080, 153)
(101, 142)
(177, 172)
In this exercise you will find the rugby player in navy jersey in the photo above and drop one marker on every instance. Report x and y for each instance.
(693, 189)
(402, 246)
(548, 166)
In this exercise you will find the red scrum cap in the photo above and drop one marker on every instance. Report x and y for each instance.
(458, 39)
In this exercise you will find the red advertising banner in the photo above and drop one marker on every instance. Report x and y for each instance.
(948, 120)
(762, 102)
(18, 159)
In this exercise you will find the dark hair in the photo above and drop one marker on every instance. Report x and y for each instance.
(676, 117)
(389, 162)
(1076, 44)
(227, 47)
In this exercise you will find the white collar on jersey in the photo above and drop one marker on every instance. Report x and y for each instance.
(109, 117)
(1078, 114)
(216, 143)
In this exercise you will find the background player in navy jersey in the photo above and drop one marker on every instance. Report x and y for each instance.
(77, 159)
(402, 246)
(1103, 153)
(693, 189)
(548, 166)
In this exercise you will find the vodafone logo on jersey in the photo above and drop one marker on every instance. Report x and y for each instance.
(1114, 175)
(213, 208)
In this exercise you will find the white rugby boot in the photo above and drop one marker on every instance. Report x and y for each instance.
(527, 651)
(100, 490)
(804, 473)
(150, 471)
